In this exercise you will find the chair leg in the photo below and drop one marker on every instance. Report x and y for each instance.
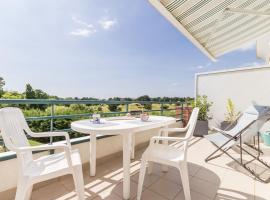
(23, 190)
(185, 180)
(29, 192)
(133, 142)
(78, 182)
(141, 178)
(150, 167)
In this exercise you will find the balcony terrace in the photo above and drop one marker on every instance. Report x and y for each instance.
(220, 179)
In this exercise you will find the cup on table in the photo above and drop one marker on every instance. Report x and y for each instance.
(144, 117)
(96, 118)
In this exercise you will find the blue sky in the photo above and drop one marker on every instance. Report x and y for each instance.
(100, 48)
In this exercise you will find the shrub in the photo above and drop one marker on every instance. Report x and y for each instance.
(202, 103)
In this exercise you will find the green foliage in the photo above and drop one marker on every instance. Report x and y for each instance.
(202, 103)
(144, 98)
(99, 109)
(12, 95)
(147, 106)
(113, 107)
(231, 115)
(30, 93)
(2, 84)
(165, 106)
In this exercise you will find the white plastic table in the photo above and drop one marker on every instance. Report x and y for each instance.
(126, 128)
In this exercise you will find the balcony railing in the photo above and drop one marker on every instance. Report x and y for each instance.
(174, 109)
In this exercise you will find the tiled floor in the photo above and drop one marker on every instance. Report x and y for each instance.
(219, 179)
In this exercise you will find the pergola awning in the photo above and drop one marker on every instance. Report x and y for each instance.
(217, 26)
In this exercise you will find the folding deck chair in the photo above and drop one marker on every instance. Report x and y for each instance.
(246, 129)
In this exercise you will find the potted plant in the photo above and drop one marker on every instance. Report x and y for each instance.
(202, 124)
(230, 117)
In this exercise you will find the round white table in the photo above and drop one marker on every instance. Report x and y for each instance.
(124, 127)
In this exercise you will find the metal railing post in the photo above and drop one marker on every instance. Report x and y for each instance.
(161, 108)
(51, 125)
(182, 112)
(127, 107)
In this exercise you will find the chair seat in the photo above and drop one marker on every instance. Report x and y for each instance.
(219, 139)
(50, 164)
(164, 153)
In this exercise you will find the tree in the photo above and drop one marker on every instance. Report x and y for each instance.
(39, 94)
(2, 84)
(144, 98)
(29, 92)
(113, 107)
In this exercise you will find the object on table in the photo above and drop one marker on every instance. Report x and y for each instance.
(144, 117)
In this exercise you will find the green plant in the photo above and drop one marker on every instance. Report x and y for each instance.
(202, 103)
(231, 115)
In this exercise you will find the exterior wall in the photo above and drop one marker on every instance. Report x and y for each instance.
(243, 86)
(105, 147)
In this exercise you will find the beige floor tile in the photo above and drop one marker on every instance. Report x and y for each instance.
(212, 174)
(204, 187)
(50, 192)
(236, 185)
(149, 179)
(194, 196)
(193, 168)
(110, 197)
(149, 195)
(165, 188)
(118, 190)
(262, 191)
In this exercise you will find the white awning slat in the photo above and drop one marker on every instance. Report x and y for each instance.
(229, 16)
(239, 28)
(217, 26)
(237, 35)
(247, 38)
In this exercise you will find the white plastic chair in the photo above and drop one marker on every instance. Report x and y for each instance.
(170, 155)
(13, 127)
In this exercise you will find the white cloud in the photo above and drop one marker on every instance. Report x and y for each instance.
(83, 32)
(248, 46)
(82, 23)
(200, 67)
(107, 24)
(85, 29)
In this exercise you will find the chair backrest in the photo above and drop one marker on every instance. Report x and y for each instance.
(252, 120)
(192, 123)
(190, 129)
(13, 127)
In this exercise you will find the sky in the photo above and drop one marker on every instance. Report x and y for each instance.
(101, 48)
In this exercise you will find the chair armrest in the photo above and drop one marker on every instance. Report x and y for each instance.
(49, 147)
(174, 129)
(52, 134)
(181, 130)
(173, 139)
(43, 147)
(220, 131)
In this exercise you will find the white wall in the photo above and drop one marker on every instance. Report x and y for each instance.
(242, 85)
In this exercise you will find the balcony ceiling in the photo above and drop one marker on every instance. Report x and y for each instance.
(217, 26)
